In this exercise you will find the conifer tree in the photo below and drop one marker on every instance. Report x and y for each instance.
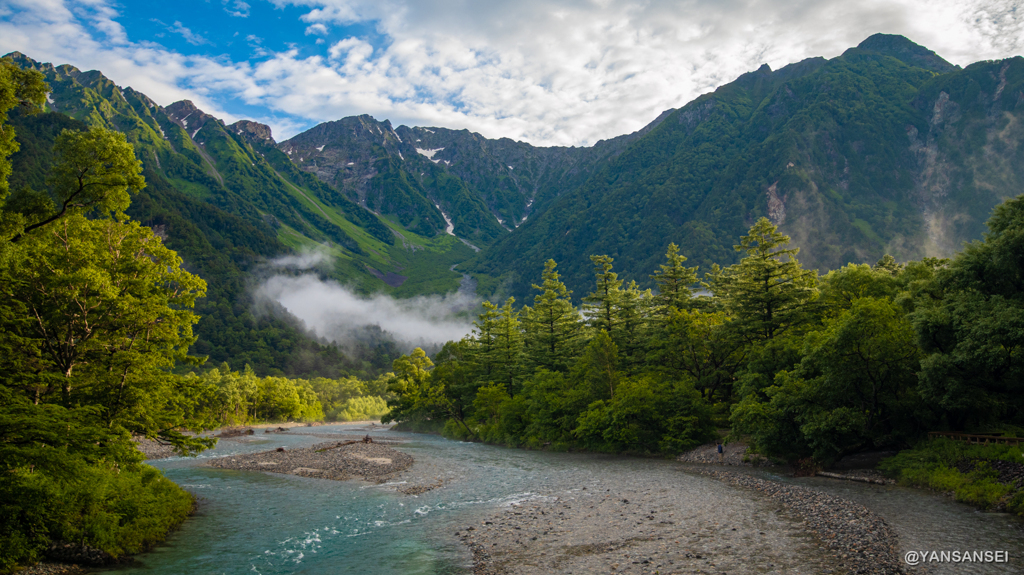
(602, 306)
(632, 332)
(674, 281)
(767, 292)
(508, 348)
(498, 349)
(552, 324)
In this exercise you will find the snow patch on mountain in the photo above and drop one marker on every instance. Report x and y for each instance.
(450, 228)
(429, 153)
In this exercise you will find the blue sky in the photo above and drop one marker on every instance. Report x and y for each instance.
(566, 72)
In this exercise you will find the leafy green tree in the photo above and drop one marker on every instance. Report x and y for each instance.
(648, 415)
(110, 311)
(701, 345)
(94, 172)
(840, 288)
(18, 87)
(970, 323)
(854, 389)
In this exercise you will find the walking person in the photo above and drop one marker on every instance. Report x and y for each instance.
(721, 454)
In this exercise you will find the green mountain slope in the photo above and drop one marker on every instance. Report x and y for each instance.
(884, 149)
(228, 201)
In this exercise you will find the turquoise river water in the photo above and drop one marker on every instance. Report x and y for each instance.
(267, 524)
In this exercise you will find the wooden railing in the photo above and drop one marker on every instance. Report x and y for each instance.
(976, 438)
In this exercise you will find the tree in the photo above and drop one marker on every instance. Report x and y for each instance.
(854, 389)
(553, 324)
(18, 87)
(699, 344)
(674, 281)
(94, 172)
(498, 345)
(109, 312)
(969, 321)
(632, 334)
(602, 306)
(767, 291)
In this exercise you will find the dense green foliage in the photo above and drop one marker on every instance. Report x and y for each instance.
(969, 471)
(225, 397)
(884, 149)
(94, 314)
(808, 368)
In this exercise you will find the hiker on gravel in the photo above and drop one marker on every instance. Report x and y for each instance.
(721, 454)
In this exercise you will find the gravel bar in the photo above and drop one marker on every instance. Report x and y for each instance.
(860, 541)
(639, 523)
(332, 460)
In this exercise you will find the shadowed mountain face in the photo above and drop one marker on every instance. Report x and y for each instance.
(887, 148)
(884, 149)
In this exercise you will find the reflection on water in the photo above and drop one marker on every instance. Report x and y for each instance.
(251, 522)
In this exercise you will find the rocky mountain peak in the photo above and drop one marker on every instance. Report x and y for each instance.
(253, 131)
(185, 114)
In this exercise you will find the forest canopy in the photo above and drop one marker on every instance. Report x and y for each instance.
(807, 368)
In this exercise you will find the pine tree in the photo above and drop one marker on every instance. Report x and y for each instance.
(767, 292)
(498, 345)
(632, 333)
(602, 306)
(552, 324)
(674, 281)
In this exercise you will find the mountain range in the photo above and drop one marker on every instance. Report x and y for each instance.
(886, 148)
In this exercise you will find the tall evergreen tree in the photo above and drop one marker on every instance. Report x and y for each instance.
(674, 281)
(602, 306)
(552, 324)
(767, 292)
(631, 334)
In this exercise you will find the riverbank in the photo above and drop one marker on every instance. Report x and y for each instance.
(732, 454)
(633, 523)
(155, 450)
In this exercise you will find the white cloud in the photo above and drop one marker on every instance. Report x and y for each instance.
(318, 29)
(237, 8)
(189, 36)
(570, 72)
(335, 312)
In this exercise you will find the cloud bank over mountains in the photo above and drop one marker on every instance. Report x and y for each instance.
(550, 73)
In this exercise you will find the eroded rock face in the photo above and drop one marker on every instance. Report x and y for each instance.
(253, 131)
(188, 116)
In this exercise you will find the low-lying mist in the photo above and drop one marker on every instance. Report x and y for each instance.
(335, 312)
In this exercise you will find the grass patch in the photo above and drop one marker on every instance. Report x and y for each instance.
(981, 475)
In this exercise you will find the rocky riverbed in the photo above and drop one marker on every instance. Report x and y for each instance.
(338, 460)
(633, 523)
(859, 540)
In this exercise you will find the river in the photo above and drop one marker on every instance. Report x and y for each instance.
(256, 523)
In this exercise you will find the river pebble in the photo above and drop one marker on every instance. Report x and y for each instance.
(638, 523)
(860, 541)
(333, 460)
